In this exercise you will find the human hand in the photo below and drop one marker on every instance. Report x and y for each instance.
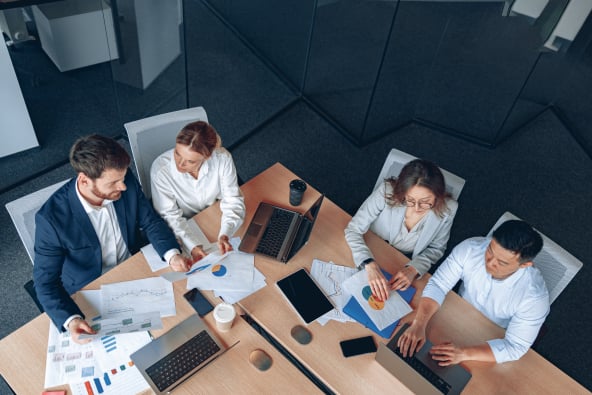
(224, 244)
(378, 284)
(448, 354)
(179, 263)
(412, 340)
(403, 278)
(197, 253)
(78, 326)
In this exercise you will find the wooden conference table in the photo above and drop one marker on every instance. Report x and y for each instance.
(456, 321)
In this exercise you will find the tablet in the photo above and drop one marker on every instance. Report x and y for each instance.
(305, 295)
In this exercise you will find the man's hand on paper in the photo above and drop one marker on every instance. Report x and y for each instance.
(179, 263)
(78, 326)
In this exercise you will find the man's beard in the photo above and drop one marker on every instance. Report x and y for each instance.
(111, 196)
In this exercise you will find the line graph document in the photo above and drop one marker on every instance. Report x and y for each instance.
(331, 277)
(138, 297)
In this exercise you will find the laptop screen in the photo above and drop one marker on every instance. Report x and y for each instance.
(308, 220)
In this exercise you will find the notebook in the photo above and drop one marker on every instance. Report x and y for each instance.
(175, 356)
(420, 373)
(278, 232)
(305, 295)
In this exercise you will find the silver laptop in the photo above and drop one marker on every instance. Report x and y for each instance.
(279, 232)
(175, 356)
(420, 373)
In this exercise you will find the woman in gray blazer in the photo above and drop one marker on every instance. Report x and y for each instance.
(414, 214)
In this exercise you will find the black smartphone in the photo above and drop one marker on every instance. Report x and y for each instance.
(198, 302)
(360, 345)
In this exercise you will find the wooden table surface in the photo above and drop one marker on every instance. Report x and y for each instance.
(456, 321)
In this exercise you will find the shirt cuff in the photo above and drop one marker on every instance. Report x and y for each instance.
(72, 317)
(170, 254)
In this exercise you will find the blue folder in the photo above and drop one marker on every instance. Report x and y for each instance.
(355, 311)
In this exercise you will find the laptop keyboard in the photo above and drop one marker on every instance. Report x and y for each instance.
(275, 233)
(182, 360)
(425, 372)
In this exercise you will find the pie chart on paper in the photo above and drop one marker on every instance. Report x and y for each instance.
(373, 302)
(219, 270)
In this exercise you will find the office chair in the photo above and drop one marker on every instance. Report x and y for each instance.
(150, 137)
(557, 266)
(397, 159)
(23, 210)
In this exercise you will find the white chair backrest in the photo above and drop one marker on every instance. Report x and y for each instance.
(397, 159)
(557, 266)
(23, 210)
(150, 137)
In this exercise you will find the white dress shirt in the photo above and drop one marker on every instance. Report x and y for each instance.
(519, 303)
(104, 221)
(387, 222)
(177, 196)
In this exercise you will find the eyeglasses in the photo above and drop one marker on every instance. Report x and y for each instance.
(422, 205)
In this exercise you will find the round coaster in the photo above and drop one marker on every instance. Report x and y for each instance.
(260, 359)
(301, 334)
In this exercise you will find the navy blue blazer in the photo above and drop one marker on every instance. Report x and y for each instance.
(67, 249)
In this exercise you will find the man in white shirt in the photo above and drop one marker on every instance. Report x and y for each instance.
(499, 279)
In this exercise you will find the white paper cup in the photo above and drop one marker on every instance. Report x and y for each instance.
(224, 314)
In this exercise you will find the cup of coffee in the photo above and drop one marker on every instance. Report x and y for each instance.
(224, 314)
(297, 188)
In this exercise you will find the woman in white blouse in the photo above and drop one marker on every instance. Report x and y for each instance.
(189, 178)
(414, 214)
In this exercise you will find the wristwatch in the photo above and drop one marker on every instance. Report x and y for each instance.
(365, 262)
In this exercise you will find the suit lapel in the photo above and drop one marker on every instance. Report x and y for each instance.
(81, 215)
(429, 228)
(119, 206)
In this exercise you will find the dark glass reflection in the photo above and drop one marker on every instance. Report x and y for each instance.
(345, 54)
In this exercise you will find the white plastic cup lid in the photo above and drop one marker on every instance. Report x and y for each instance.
(224, 312)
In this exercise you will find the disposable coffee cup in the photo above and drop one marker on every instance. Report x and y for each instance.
(224, 314)
(297, 188)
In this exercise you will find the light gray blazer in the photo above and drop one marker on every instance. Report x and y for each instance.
(386, 221)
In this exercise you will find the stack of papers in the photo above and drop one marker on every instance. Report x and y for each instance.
(330, 278)
(382, 313)
(350, 293)
(100, 366)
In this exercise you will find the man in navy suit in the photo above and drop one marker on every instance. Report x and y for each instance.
(91, 224)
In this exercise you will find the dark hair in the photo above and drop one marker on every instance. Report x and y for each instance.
(201, 137)
(422, 173)
(520, 238)
(94, 154)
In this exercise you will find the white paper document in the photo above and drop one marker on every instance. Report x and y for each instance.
(382, 313)
(125, 324)
(69, 362)
(236, 296)
(66, 361)
(137, 297)
(330, 278)
(234, 272)
(121, 379)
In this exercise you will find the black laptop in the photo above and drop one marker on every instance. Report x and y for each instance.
(279, 232)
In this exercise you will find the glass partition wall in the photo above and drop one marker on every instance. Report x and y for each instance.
(475, 69)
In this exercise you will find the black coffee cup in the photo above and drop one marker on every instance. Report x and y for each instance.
(297, 188)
